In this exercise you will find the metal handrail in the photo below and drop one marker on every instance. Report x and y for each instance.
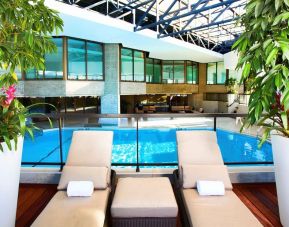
(60, 116)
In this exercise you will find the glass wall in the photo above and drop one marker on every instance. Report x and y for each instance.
(192, 72)
(54, 61)
(173, 72)
(85, 60)
(216, 73)
(157, 71)
(221, 73)
(132, 65)
(53, 64)
(94, 61)
(138, 66)
(149, 70)
(179, 72)
(153, 70)
(76, 59)
(168, 72)
(126, 64)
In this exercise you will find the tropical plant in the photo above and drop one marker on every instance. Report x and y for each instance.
(231, 84)
(25, 36)
(264, 57)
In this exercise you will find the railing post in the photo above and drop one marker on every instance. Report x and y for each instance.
(137, 151)
(60, 142)
(215, 123)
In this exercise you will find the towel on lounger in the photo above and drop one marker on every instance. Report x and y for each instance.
(80, 188)
(210, 188)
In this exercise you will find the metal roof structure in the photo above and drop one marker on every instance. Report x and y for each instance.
(211, 24)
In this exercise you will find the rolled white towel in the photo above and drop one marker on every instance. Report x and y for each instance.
(211, 188)
(80, 188)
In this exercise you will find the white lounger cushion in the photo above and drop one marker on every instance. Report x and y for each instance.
(194, 173)
(98, 175)
(90, 148)
(144, 197)
(65, 211)
(198, 147)
(217, 211)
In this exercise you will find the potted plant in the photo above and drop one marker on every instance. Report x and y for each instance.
(264, 57)
(24, 39)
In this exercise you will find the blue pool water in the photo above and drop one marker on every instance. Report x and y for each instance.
(155, 146)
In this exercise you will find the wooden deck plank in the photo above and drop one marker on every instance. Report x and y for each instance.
(261, 199)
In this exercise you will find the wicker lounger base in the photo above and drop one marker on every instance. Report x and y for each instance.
(144, 222)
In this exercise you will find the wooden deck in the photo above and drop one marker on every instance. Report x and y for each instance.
(261, 199)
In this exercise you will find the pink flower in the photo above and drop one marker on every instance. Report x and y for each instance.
(10, 94)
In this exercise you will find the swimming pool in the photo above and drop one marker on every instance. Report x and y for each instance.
(155, 146)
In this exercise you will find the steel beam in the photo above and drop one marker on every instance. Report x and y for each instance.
(199, 27)
(196, 11)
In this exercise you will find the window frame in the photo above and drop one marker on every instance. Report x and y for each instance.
(120, 65)
(216, 70)
(86, 41)
(24, 76)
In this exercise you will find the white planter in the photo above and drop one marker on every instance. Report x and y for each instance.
(280, 146)
(10, 163)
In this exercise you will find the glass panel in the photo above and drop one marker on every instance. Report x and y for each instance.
(149, 70)
(138, 66)
(33, 74)
(126, 64)
(179, 72)
(189, 72)
(76, 60)
(94, 61)
(157, 71)
(211, 73)
(54, 61)
(221, 72)
(195, 73)
(168, 72)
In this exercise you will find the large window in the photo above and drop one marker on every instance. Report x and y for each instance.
(153, 71)
(132, 65)
(216, 73)
(173, 72)
(168, 72)
(53, 64)
(179, 72)
(192, 72)
(85, 60)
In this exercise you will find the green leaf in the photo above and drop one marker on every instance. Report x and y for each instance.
(278, 4)
(271, 56)
(265, 136)
(278, 80)
(286, 2)
(277, 20)
(246, 70)
(258, 110)
(267, 42)
(259, 8)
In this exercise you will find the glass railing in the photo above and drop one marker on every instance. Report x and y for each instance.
(144, 140)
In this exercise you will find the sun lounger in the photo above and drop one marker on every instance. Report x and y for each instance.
(200, 159)
(89, 159)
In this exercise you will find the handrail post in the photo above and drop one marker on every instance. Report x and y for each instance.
(60, 142)
(215, 123)
(137, 151)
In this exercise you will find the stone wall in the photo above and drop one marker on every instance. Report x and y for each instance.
(110, 101)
